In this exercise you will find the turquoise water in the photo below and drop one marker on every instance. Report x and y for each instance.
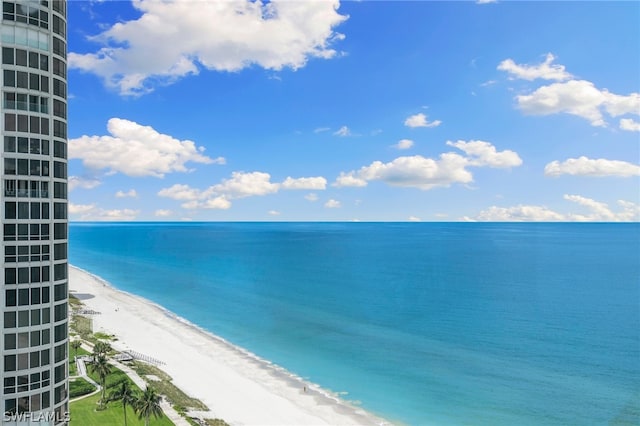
(447, 324)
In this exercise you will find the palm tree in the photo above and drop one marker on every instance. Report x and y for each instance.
(75, 345)
(148, 404)
(101, 348)
(102, 368)
(126, 395)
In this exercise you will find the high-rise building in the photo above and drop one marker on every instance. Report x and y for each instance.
(34, 296)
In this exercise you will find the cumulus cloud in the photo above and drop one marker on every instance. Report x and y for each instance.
(91, 212)
(428, 173)
(414, 219)
(545, 70)
(132, 193)
(332, 204)
(311, 197)
(580, 98)
(274, 213)
(630, 125)
(80, 208)
(239, 185)
(349, 179)
(404, 144)
(342, 132)
(315, 183)
(596, 211)
(162, 213)
(136, 150)
(481, 153)
(420, 120)
(242, 185)
(76, 182)
(174, 39)
(584, 166)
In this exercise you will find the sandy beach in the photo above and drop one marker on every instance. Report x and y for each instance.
(236, 385)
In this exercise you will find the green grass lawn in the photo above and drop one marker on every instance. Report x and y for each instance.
(83, 413)
(115, 378)
(79, 387)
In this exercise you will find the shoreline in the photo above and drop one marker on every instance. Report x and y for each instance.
(237, 385)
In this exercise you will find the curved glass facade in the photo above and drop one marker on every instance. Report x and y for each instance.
(34, 297)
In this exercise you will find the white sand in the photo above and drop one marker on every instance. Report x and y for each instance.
(236, 385)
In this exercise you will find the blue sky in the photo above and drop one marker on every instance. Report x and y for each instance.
(372, 111)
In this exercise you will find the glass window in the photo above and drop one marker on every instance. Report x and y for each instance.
(9, 144)
(10, 275)
(10, 210)
(9, 319)
(22, 79)
(9, 342)
(23, 297)
(23, 145)
(9, 166)
(9, 365)
(7, 55)
(44, 62)
(34, 60)
(23, 318)
(23, 123)
(10, 122)
(35, 207)
(23, 166)
(44, 84)
(9, 78)
(10, 298)
(21, 57)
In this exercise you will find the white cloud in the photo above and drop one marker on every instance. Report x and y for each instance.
(584, 166)
(90, 212)
(216, 203)
(76, 182)
(321, 130)
(596, 212)
(180, 192)
(219, 196)
(132, 193)
(419, 172)
(404, 144)
(342, 132)
(349, 179)
(311, 197)
(630, 125)
(483, 153)
(274, 213)
(428, 173)
(545, 70)
(162, 213)
(80, 208)
(243, 184)
(599, 211)
(332, 204)
(136, 150)
(414, 219)
(521, 213)
(315, 183)
(581, 98)
(420, 120)
(173, 39)
(486, 1)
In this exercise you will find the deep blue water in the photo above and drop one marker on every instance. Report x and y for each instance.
(432, 323)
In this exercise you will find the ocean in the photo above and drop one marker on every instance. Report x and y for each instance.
(421, 323)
